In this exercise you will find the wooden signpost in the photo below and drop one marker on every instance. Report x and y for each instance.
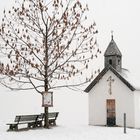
(47, 99)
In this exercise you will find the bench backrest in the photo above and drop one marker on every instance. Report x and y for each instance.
(40, 117)
(17, 118)
(53, 115)
(23, 118)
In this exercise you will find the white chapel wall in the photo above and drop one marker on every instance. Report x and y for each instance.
(120, 92)
(137, 109)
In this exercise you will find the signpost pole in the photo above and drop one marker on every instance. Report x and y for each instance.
(47, 101)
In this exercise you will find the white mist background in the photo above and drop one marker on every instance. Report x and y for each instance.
(121, 16)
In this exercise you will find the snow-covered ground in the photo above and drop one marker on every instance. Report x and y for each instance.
(72, 132)
(72, 122)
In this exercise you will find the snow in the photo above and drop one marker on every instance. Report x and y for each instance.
(131, 78)
(73, 132)
(72, 122)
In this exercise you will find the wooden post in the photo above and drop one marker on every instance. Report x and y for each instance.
(124, 123)
(47, 101)
(46, 121)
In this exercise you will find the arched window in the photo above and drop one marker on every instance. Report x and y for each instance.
(110, 61)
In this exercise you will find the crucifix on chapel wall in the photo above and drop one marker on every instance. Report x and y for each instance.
(110, 80)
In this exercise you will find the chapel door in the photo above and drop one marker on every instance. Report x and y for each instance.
(111, 115)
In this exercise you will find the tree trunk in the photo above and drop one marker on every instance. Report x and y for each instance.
(46, 120)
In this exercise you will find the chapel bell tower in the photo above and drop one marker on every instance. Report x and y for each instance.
(113, 56)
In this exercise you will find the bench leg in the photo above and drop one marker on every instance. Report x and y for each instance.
(31, 125)
(39, 124)
(13, 127)
(54, 123)
(34, 124)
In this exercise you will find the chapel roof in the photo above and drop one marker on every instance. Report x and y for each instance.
(121, 76)
(112, 49)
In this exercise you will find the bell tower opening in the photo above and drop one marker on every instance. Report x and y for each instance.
(110, 61)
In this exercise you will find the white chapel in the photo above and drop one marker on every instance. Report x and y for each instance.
(113, 92)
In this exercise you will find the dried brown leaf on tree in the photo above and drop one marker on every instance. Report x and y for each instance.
(46, 42)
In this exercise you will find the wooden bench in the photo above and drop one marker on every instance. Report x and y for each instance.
(52, 116)
(32, 121)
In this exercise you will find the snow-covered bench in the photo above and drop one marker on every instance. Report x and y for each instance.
(32, 121)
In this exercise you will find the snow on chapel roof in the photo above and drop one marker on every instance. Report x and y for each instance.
(135, 82)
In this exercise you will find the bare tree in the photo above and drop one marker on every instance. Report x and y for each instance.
(45, 44)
